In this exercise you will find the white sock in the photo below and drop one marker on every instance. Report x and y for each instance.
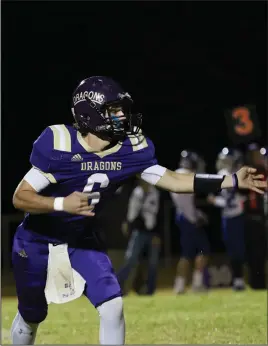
(23, 333)
(197, 279)
(112, 322)
(179, 284)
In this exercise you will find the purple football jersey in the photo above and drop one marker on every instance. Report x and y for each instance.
(71, 165)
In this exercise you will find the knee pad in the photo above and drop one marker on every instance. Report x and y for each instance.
(112, 309)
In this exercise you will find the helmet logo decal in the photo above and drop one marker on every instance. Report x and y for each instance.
(91, 95)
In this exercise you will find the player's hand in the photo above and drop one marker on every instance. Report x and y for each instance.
(248, 179)
(77, 203)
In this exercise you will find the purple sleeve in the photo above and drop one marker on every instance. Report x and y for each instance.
(145, 156)
(151, 153)
(43, 156)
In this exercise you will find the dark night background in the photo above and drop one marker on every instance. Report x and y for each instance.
(184, 63)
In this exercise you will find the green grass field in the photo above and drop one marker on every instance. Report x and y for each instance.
(219, 317)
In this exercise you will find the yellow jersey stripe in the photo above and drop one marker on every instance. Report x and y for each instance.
(62, 138)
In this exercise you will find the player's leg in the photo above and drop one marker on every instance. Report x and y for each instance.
(141, 272)
(235, 245)
(186, 256)
(30, 270)
(103, 291)
(134, 249)
(153, 260)
(201, 260)
(200, 266)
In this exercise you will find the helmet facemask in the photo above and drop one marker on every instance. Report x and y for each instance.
(119, 120)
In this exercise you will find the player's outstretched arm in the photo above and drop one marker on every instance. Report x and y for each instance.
(27, 199)
(245, 178)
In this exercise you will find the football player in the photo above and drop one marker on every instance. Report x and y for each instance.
(141, 220)
(233, 217)
(190, 220)
(58, 252)
(256, 218)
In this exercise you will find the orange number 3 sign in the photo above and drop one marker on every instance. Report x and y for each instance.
(245, 126)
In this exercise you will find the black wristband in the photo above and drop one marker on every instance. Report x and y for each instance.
(235, 181)
(207, 183)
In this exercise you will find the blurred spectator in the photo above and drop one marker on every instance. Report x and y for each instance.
(141, 222)
(190, 220)
(256, 241)
(233, 218)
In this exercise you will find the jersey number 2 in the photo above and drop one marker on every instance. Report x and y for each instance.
(99, 178)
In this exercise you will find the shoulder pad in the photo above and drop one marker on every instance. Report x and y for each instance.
(61, 138)
(49, 145)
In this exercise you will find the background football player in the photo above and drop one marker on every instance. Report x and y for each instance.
(75, 170)
(141, 222)
(233, 217)
(190, 220)
(256, 235)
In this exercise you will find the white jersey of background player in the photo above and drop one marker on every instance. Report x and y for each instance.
(194, 242)
(232, 204)
(145, 204)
